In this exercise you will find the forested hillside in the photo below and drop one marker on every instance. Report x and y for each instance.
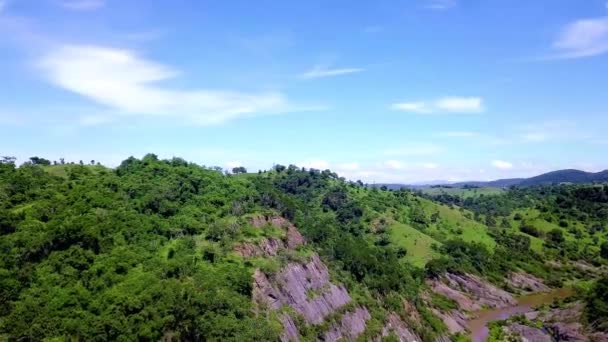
(167, 249)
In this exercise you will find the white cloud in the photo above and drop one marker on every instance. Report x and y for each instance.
(429, 165)
(583, 38)
(394, 164)
(415, 107)
(502, 165)
(314, 164)
(441, 4)
(119, 79)
(348, 166)
(460, 104)
(232, 164)
(457, 134)
(450, 104)
(82, 5)
(322, 71)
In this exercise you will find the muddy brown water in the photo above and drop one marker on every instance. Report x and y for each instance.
(478, 325)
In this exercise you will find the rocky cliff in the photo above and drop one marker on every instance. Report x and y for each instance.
(303, 288)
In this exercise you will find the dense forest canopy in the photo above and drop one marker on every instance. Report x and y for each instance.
(145, 251)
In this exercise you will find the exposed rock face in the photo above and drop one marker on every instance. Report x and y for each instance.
(412, 312)
(290, 331)
(563, 323)
(463, 301)
(471, 293)
(396, 326)
(455, 321)
(528, 333)
(264, 247)
(270, 246)
(294, 238)
(599, 337)
(526, 282)
(352, 325)
(567, 332)
(481, 291)
(306, 288)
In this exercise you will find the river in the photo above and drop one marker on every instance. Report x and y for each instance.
(478, 326)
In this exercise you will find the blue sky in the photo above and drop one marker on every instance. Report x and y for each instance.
(383, 91)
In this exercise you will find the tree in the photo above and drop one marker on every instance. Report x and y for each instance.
(7, 160)
(92, 161)
(62, 161)
(239, 169)
(556, 237)
(40, 161)
(604, 250)
(596, 310)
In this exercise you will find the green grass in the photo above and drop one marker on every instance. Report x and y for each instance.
(453, 224)
(417, 244)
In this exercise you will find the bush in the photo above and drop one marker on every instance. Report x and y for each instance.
(530, 230)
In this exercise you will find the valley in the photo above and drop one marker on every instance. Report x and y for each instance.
(166, 249)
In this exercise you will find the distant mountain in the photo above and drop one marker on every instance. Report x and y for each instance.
(566, 176)
(560, 176)
(499, 183)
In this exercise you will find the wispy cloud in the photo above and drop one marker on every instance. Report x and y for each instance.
(450, 104)
(348, 166)
(582, 38)
(502, 165)
(121, 80)
(441, 4)
(394, 164)
(457, 134)
(314, 164)
(323, 71)
(430, 166)
(414, 149)
(552, 131)
(82, 5)
(415, 107)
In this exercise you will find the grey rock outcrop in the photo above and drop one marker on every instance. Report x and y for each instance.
(396, 326)
(306, 288)
(470, 292)
(455, 321)
(270, 246)
(529, 334)
(526, 282)
(567, 332)
(351, 325)
(264, 247)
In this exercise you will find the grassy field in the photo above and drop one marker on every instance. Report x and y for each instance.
(417, 244)
(452, 224)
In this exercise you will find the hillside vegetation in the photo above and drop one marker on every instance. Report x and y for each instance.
(169, 249)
